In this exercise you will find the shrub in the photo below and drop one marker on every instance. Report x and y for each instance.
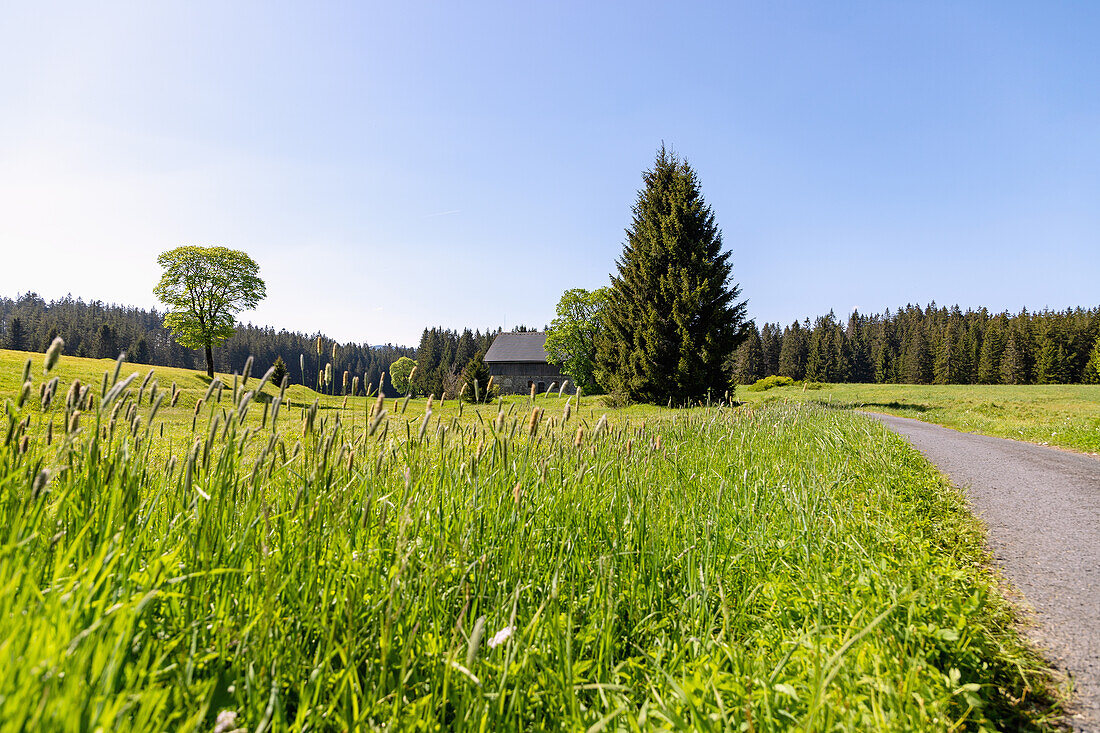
(763, 385)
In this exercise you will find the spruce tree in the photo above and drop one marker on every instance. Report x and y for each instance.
(770, 342)
(918, 363)
(476, 371)
(1013, 365)
(1050, 366)
(749, 360)
(840, 356)
(792, 352)
(279, 372)
(1091, 374)
(673, 316)
(17, 337)
(946, 368)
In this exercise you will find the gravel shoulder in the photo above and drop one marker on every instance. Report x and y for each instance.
(1042, 510)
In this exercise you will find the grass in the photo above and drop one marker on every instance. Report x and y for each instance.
(1064, 415)
(715, 568)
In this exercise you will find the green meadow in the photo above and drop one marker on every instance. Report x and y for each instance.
(280, 560)
(1064, 415)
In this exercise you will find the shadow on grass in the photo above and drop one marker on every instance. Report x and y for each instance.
(908, 406)
(900, 406)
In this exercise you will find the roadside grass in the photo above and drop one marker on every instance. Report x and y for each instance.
(715, 568)
(1064, 415)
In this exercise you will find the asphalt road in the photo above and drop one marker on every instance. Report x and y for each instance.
(1042, 508)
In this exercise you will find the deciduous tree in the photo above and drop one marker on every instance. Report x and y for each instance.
(574, 332)
(399, 374)
(204, 289)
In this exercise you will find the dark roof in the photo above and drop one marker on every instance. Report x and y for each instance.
(527, 346)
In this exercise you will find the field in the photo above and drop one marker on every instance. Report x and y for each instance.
(486, 567)
(1061, 415)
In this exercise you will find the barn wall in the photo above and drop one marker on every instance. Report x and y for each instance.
(516, 377)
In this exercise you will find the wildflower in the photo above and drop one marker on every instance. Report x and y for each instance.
(225, 722)
(501, 636)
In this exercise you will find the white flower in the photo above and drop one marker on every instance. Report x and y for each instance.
(225, 721)
(501, 636)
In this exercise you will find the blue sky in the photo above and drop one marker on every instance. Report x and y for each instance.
(393, 166)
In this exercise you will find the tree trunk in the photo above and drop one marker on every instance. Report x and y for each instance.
(209, 362)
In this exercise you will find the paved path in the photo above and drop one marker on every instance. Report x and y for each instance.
(1042, 508)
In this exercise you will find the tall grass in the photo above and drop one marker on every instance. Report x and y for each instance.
(713, 569)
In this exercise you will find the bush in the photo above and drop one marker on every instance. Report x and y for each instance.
(615, 400)
(763, 385)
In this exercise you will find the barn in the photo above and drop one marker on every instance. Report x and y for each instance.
(519, 360)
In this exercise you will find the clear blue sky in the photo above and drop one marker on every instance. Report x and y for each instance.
(397, 165)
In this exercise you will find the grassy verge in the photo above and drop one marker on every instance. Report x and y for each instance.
(499, 569)
(1064, 415)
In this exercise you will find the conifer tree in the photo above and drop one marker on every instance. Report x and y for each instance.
(749, 360)
(817, 357)
(771, 345)
(840, 356)
(105, 345)
(989, 362)
(673, 316)
(17, 337)
(947, 367)
(917, 362)
(1091, 374)
(856, 338)
(476, 371)
(1013, 365)
(792, 352)
(279, 371)
(1050, 366)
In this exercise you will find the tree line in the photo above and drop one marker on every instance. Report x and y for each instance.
(931, 345)
(102, 331)
(447, 359)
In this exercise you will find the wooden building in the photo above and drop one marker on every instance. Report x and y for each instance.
(518, 360)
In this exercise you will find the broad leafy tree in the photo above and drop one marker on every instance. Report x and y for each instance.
(574, 332)
(399, 374)
(673, 316)
(204, 289)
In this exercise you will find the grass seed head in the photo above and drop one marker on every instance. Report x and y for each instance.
(53, 353)
(533, 423)
(579, 437)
